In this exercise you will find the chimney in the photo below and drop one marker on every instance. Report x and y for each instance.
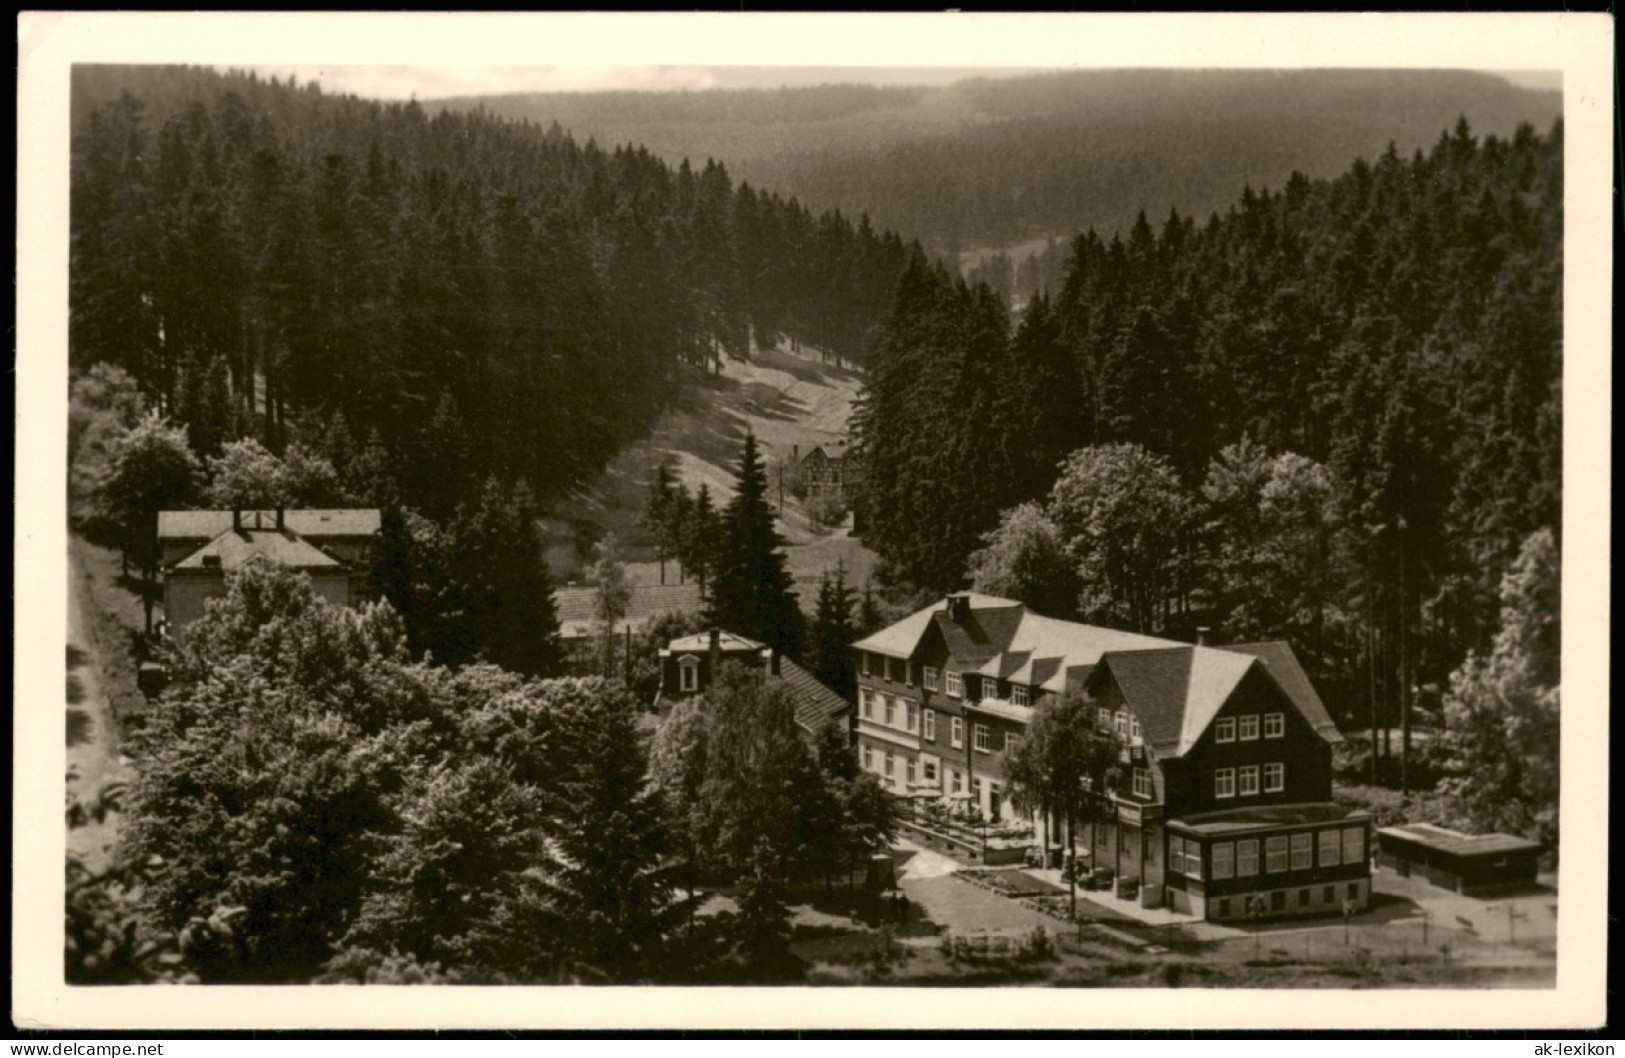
(236, 518)
(1201, 635)
(279, 517)
(795, 452)
(716, 653)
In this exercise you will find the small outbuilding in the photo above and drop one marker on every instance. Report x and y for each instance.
(1450, 859)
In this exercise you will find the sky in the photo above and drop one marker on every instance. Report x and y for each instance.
(438, 82)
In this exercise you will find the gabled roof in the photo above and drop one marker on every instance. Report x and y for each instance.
(1176, 692)
(900, 640)
(575, 606)
(816, 704)
(727, 642)
(314, 522)
(1282, 664)
(234, 547)
(981, 635)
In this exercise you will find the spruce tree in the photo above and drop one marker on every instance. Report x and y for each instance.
(751, 593)
(832, 634)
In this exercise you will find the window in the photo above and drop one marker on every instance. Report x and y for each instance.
(956, 685)
(1303, 898)
(1010, 740)
(1249, 728)
(1303, 852)
(984, 738)
(956, 732)
(891, 763)
(1353, 844)
(1103, 718)
(1018, 695)
(863, 703)
(1142, 782)
(959, 782)
(868, 757)
(1134, 728)
(908, 771)
(891, 710)
(1176, 855)
(688, 671)
(1100, 836)
(1329, 894)
(1225, 730)
(990, 687)
(1224, 782)
(1278, 900)
(1274, 855)
(1122, 724)
(1193, 859)
(1354, 890)
(913, 716)
(908, 673)
(1247, 858)
(930, 678)
(931, 724)
(994, 805)
(864, 655)
(1330, 846)
(1274, 725)
(1249, 780)
(928, 768)
(1274, 778)
(1224, 907)
(1224, 860)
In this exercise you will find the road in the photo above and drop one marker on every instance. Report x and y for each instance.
(93, 759)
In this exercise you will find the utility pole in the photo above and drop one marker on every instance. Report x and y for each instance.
(1404, 672)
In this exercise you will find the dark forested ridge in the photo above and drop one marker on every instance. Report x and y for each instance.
(989, 163)
(490, 297)
(1332, 413)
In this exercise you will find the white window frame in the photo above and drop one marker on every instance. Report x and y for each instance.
(863, 655)
(956, 732)
(1274, 725)
(1247, 780)
(958, 778)
(911, 713)
(1249, 728)
(908, 673)
(931, 724)
(1275, 855)
(868, 757)
(928, 770)
(889, 677)
(891, 763)
(688, 674)
(983, 738)
(1135, 732)
(930, 678)
(990, 686)
(1303, 851)
(908, 770)
(1274, 777)
(1354, 844)
(1142, 782)
(888, 710)
(1103, 718)
(955, 684)
(1224, 782)
(1330, 853)
(1018, 694)
(1223, 854)
(1247, 858)
(1224, 730)
(1120, 724)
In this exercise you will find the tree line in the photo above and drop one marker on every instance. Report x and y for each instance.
(486, 297)
(1332, 413)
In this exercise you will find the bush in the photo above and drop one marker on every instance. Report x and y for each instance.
(827, 509)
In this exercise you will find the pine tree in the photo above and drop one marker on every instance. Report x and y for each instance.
(497, 562)
(751, 593)
(832, 634)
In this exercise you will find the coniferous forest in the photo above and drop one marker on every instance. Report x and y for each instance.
(257, 255)
(1332, 413)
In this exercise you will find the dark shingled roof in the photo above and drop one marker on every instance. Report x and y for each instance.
(1281, 663)
(982, 634)
(816, 705)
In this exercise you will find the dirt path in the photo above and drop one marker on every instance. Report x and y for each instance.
(93, 759)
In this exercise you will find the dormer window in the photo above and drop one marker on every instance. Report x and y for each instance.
(930, 678)
(1018, 694)
(688, 674)
(956, 685)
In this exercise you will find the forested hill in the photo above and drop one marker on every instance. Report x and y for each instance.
(991, 163)
(1331, 414)
(489, 297)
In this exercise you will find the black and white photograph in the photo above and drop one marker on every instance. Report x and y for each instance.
(845, 521)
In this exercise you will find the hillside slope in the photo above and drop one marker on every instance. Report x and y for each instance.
(791, 401)
(992, 163)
